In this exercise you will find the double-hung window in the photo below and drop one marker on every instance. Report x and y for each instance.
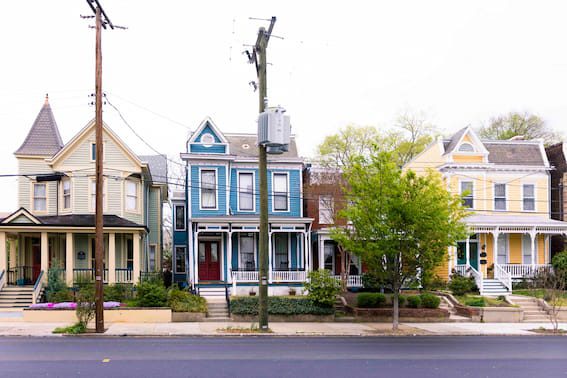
(179, 217)
(246, 191)
(93, 194)
(66, 184)
(499, 196)
(280, 191)
(208, 189)
(281, 261)
(179, 259)
(528, 191)
(246, 247)
(467, 194)
(326, 209)
(131, 195)
(40, 197)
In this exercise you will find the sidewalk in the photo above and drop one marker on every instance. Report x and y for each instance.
(8, 328)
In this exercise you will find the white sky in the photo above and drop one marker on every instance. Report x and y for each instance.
(340, 62)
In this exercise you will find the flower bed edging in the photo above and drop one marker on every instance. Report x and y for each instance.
(285, 318)
(188, 316)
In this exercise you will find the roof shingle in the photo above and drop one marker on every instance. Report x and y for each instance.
(43, 138)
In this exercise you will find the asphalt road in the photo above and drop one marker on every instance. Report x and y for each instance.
(531, 356)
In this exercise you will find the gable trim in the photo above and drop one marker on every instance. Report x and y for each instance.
(21, 212)
(209, 122)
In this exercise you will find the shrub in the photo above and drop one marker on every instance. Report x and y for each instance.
(475, 301)
(372, 282)
(430, 300)
(151, 294)
(322, 288)
(117, 293)
(74, 329)
(279, 306)
(183, 301)
(559, 263)
(370, 300)
(56, 290)
(85, 304)
(414, 301)
(460, 285)
(402, 299)
(434, 283)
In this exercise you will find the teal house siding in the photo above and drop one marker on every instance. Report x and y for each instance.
(196, 210)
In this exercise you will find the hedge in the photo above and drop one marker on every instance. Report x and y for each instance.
(370, 300)
(279, 306)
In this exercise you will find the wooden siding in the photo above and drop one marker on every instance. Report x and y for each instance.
(154, 213)
(196, 211)
(28, 166)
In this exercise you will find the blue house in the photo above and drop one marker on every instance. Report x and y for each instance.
(216, 225)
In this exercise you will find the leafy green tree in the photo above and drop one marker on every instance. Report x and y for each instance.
(339, 149)
(514, 124)
(322, 288)
(402, 223)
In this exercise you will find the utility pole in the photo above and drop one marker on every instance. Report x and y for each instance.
(263, 258)
(99, 223)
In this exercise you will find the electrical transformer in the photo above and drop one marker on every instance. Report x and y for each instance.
(274, 130)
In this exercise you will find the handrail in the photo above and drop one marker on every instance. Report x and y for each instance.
(37, 287)
(2, 279)
(503, 276)
(477, 277)
(227, 297)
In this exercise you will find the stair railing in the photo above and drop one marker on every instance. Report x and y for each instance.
(2, 279)
(37, 287)
(503, 276)
(227, 297)
(477, 278)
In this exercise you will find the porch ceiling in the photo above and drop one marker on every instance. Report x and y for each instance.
(515, 223)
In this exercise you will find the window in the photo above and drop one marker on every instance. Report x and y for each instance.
(246, 247)
(180, 259)
(502, 253)
(526, 249)
(280, 191)
(131, 195)
(208, 189)
(129, 253)
(152, 262)
(466, 147)
(529, 197)
(93, 194)
(467, 194)
(207, 140)
(281, 261)
(93, 151)
(326, 209)
(499, 196)
(39, 197)
(93, 253)
(179, 218)
(246, 191)
(354, 264)
(66, 184)
(329, 257)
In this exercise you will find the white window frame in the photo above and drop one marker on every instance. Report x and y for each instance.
(201, 169)
(175, 259)
(472, 192)
(288, 249)
(93, 145)
(253, 210)
(154, 246)
(32, 195)
(505, 196)
(92, 200)
(137, 209)
(288, 209)
(330, 212)
(534, 197)
(506, 245)
(254, 250)
(466, 144)
(175, 218)
(63, 181)
(333, 262)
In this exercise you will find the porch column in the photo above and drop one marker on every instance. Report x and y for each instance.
(44, 253)
(495, 247)
(533, 236)
(136, 243)
(111, 258)
(196, 256)
(270, 262)
(305, 251)
(229, 257)
(3, 255)
(321, 252)
(13, 262)
(468, 251)
(69, 254)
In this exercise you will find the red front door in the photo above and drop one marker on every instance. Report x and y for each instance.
(36, 262)
(209, 264)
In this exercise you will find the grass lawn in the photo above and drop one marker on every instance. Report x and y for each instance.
(480, 301)
(540, 293)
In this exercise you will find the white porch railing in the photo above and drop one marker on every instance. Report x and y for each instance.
(503, 276)
(289, 276)
(477, 277)
(245, 276)
(524, 270)
(3, 279)
(37, 287)
(461, 269)
(353, 281)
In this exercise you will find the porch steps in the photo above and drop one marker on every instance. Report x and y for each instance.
(532, 311)
(493, 288)
(216, 303)
(16, 297)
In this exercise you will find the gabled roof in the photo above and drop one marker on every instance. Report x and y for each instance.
(207, 123)
(43, 138)
(451, 144)
(73, 220)
(19, 215)
(157, 165)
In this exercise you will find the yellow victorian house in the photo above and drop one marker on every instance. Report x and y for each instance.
(506, 186)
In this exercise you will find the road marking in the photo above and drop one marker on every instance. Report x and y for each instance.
(106, 360)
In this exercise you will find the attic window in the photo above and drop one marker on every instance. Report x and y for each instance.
(207, 140)
(466, 147)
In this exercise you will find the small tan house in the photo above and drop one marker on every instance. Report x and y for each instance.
(56, 198)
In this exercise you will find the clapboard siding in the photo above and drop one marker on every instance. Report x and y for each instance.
(27, 166)
(154, 205)
(196, 194)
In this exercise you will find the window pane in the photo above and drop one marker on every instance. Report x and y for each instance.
(280, 202)
(131, 188)
(502, 249)
(208, 189)
(180, 259)
(130, 203)
(280, 191)
(329, 253)
(326, 209)
(529, 204)
(179, 217)
(280, 251)
(214, 252)
(202, 252)
(66, 186)
(246, 190)
(152, 258)
(280, 182)
(67, 201)
(500, 190)
(247, 252)
(39, 190)
(500, 204)
(39, 204)
(528, 190)
(466, 186)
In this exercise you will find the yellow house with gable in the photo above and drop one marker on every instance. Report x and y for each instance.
(506, 186)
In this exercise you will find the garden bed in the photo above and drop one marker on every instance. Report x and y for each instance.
(406, 314)
(285, 318)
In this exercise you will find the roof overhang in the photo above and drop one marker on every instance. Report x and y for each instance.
(515, 224)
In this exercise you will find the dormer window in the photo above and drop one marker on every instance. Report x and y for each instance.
(207, 139)
(466, 147)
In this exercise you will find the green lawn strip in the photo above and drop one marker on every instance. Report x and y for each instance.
(74, 329)
(480, 301)
(540, 293)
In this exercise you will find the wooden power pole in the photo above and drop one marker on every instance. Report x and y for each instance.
(99, 195)
(263, 258)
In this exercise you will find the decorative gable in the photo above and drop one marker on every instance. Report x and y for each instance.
(466, 147)
(21, 216)
(208, 139)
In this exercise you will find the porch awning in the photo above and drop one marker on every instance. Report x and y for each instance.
(515, 224)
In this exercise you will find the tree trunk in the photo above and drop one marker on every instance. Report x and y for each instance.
(396, 290)
(344, 268)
